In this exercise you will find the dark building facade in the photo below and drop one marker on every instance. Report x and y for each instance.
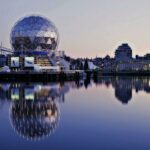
(123, 53)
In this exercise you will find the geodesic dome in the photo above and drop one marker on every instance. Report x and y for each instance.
(34, 33)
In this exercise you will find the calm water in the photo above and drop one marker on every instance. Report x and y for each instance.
(109, 113)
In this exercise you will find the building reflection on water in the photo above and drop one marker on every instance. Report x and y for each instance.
(124, 86)
(34, 120)
(34, 108)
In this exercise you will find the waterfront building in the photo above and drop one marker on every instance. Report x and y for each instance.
(143, 58)
(123, 53)
(132, 66)
(34, 41)
(125, 62)
(3, 60)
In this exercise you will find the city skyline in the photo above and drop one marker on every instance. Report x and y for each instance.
(87, 28)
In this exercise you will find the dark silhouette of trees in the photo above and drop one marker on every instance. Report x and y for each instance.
(81, 66)
(86, 65)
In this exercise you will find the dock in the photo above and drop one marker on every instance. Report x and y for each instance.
(28, 76)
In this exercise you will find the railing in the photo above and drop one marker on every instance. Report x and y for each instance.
(5, 51)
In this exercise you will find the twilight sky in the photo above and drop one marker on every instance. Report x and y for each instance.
(88, 28)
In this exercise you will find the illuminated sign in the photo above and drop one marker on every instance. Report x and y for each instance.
(29, 62)
(14, 61)
(29, 94)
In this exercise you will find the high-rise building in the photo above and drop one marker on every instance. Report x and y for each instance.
(123, 53)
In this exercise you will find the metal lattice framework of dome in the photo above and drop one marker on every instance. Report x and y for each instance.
(34, 32)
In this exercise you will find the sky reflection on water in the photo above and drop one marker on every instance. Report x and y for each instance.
(106, 113)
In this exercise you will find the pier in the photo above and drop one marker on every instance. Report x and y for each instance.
(27, 76)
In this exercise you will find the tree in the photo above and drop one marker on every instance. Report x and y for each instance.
(81, 66)
(86, 65)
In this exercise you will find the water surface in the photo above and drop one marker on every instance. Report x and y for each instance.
(107, 113)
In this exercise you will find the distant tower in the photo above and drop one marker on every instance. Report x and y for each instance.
(123, 53)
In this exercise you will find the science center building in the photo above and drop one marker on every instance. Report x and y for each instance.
(34, 41)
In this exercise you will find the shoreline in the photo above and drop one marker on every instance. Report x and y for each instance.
(40, 76)
(28, 76)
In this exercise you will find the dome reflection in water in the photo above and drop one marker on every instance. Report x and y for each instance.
(34, 120)
(35, 116)
(34, 112)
